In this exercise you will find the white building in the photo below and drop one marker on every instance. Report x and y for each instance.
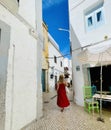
(56, 60)
(90, 22)
(20, 63)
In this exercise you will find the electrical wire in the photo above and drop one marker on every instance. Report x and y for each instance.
(59, 56)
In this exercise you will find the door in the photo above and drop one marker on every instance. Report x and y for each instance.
(43, 80)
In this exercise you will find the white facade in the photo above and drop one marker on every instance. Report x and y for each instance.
(55, 68)
(20, 51)
(90, 23)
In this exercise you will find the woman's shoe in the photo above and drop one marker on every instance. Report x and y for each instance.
(62, 109)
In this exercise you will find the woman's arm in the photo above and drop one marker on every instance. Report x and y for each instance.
(57, 86)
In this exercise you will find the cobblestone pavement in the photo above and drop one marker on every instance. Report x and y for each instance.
(73, 118)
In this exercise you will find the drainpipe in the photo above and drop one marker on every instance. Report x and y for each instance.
(12, 91)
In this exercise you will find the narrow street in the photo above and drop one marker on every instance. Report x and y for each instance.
(73, 118)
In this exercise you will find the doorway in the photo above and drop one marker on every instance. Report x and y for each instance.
(43, 81)
(106, 77)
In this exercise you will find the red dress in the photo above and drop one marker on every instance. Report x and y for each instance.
(62, 100)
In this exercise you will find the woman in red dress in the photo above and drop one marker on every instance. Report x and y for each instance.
(62, 99)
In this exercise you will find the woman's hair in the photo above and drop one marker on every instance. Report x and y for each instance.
(61, 78)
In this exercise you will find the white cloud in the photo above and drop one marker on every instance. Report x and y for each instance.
(49, 3)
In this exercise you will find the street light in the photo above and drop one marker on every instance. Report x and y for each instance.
(62, 29)
(66, 30)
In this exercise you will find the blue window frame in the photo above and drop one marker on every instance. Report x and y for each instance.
(94, 18)
(99, 17)
(89, 21)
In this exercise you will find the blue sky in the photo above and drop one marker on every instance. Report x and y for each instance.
(55, 15)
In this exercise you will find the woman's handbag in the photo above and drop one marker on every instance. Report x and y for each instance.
(67, 90)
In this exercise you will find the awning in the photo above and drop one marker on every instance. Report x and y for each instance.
(96, 54)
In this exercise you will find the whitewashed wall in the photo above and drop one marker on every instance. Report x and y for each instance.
(77, 22)
(22, 89)
(27, 11)
(57, 69)
(80, 37)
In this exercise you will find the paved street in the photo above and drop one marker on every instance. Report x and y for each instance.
(73, 118)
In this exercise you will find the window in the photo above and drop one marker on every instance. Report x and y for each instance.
(99, 17)
(55, 59)
(61, 63)
(55, 79)
(90, 22)
(94, 18)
